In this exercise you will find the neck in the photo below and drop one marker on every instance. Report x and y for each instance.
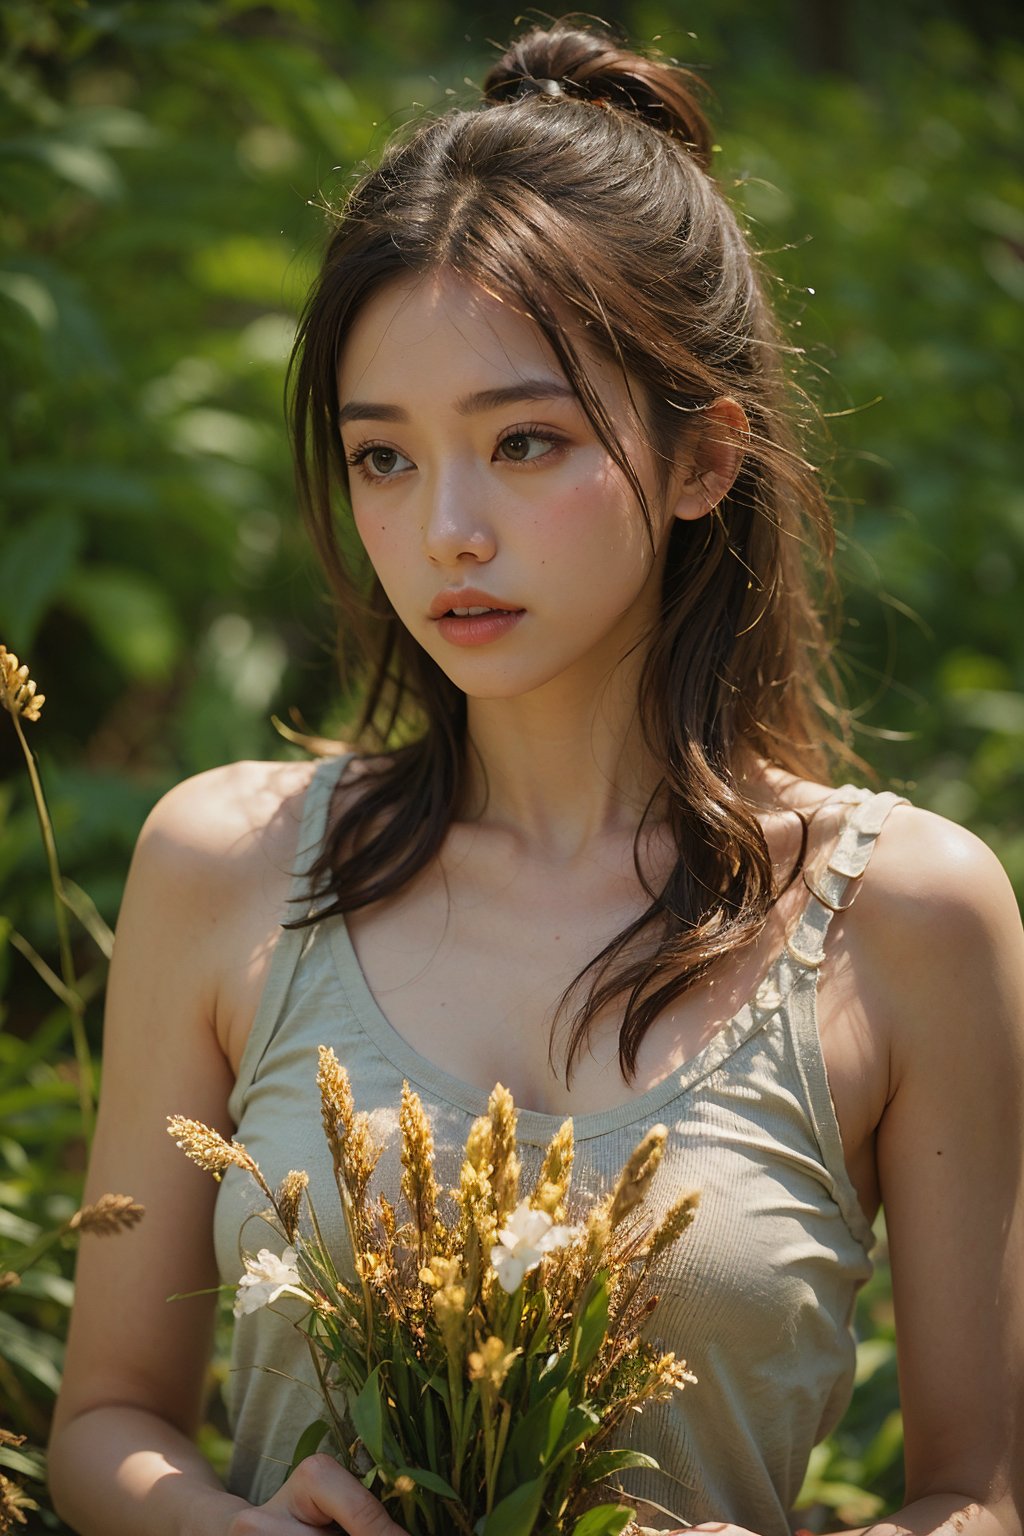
(562, 768)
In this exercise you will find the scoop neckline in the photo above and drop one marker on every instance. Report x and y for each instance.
(535, 1126)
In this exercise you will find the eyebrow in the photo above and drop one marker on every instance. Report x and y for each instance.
(469, 405)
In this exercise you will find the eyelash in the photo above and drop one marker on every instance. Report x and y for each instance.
(358, 456)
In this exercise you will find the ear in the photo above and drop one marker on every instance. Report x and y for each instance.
(712, 461)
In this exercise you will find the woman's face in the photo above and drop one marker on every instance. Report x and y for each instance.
(477, 482)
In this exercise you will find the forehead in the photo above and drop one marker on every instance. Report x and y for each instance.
(439, 335)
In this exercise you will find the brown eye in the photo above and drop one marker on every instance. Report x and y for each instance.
(517, 447)
(383, 460)
(524, 447)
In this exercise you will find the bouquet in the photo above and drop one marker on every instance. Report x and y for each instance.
(478, 1355)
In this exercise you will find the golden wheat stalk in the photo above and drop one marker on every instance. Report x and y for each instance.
(635, 1178)
(289, 1201)
(108, 1215)
(419, 1185)
(209, 1150)
(505, 1164)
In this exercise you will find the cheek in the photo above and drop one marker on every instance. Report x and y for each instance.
(597, 516)
(372, 531)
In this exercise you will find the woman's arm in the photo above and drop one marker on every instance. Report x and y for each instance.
(122, 1458)
(932, 952)
(949, 984)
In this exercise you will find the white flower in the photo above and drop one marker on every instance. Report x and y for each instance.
(523, 1241)
(266, 1278)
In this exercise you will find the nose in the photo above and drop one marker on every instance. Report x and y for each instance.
(456, 523)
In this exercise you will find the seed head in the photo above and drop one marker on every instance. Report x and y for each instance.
(14, 1501)
(449, 1303)
(635, 1178)
(491, 1362)
(598, 1231)
(672, 1225)
(553, 1180)
(479, 1145)
(336, 1104)
(17, 690)
(110, 1214)
(419, 1185)
(353, 1151)
(504, 1159)
(210, 1151)
(671, 1375)
(289, 1202)
(441, 1270)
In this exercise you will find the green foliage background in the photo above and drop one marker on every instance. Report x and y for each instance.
(162, 163)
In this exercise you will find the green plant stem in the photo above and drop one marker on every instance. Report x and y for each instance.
(457, 1420)
(35, 1251)
(321, 1375)
(71, 996)
(490, 1464)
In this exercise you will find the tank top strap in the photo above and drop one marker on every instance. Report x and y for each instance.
(830, 886)
(316, 808)
(290, 942)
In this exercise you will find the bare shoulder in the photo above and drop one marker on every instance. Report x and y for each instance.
(935, 934)
(225, 810)
(930, 876)
(227, 827)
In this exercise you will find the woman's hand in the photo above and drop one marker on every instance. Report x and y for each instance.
(318, 1494)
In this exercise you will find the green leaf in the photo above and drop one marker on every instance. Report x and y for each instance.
(556, 1423)
(429, 1426)
(440, 1386)
(535, 1436)
(31, 1351)
(398, 1380)
(84, 166)
(429, 1480)
(131, 617)
(32, 296)
(580, 1423)
(604, 1520)
(606, 1463)
(515, 1514)
(368, 1416)
(592, 1325)
(27, 1463)
(309, 1442)
(37, 560)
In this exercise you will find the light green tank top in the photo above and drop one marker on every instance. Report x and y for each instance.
(757, 1297)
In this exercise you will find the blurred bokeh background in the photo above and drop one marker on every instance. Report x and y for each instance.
(163, 166)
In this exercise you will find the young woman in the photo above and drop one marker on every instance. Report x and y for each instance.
(589, 848)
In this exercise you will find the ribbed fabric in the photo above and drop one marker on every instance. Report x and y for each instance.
(757, 1297)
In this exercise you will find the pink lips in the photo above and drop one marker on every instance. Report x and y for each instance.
(468, 597)
(476, 628)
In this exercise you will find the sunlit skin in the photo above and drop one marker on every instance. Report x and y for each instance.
(522, 500)
(919, 1002)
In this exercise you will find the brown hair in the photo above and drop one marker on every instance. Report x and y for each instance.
(581, 186)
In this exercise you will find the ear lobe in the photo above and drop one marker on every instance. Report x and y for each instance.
(713, 461)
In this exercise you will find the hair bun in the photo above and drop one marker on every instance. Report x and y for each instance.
(592, 66)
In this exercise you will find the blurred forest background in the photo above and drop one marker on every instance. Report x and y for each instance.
(163, 167)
